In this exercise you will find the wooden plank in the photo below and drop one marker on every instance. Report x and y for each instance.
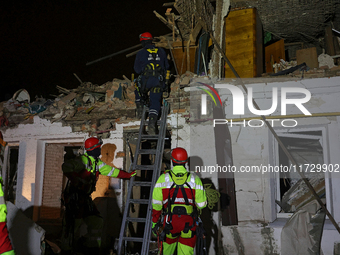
(179, 44)
(329, 42)
(243, 43)
(273, 53)
(309, 56)
(181, 59)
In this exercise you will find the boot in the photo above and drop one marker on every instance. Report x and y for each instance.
(139, 110)
(152, 124)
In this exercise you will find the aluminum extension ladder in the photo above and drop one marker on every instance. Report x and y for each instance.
(158, 152)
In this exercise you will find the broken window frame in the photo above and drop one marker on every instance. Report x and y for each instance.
(5, 169)
(293, 133)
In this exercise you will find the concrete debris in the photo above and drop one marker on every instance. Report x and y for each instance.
(326, 60)
(21, 96)
(88, 108)
(303, 231)
(283, 65)
(299, 194)
(28, 241)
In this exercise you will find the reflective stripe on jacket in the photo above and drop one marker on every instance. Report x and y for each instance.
(90, 164)
(162, 188)
(143, 58)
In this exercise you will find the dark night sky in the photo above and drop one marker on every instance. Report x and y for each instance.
(43, 42)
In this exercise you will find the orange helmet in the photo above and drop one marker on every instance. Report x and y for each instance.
(92, 143)
(145, 36)
(179, 155)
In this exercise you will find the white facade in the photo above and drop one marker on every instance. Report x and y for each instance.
(260, 225)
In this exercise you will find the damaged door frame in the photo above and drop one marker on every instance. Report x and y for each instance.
(40, 168)
(6, 165)
(324, 141)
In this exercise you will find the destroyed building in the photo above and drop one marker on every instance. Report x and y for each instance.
(259, 212)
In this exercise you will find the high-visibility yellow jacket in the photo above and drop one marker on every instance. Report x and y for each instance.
(161, 191)
(91, 164)
(5, 244)
(84, 170)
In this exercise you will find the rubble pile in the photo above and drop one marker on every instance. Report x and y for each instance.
(87, 108)
(90, 107)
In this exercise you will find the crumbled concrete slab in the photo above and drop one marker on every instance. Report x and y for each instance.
(26, 236)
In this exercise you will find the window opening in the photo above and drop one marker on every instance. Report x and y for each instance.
(70, 152)
(11, 173)
(307, 148)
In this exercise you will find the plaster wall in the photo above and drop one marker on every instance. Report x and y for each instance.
(32, 139)
(195, 138)
(251, 146)
(254, 146)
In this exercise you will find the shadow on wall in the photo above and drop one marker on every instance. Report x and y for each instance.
(110, 211)
(209, 224)
(24, 233)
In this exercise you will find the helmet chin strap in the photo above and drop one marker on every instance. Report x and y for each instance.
(95, 152)
(146, 42)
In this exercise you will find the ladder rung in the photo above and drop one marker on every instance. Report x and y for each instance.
(160, 140)
(144, 167)
(142, 183)
(147, 151)
(136, 219)
(150, 137)
(147, 122)
(133, 239)
(139, 201)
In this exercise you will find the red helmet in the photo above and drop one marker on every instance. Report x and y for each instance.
(145, 36)
(92, 143)
(179, 155)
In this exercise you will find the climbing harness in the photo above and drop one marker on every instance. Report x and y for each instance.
(180, 180)
(152, 69)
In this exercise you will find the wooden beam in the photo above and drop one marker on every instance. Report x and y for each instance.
(78, 78)
(168, 4)
(165, 22)
(329, 43)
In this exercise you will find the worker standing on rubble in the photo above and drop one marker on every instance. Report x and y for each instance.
(151, 64)
(5, 243)
(181, 194)
(82, 173)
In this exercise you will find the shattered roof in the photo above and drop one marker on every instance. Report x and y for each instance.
(96, 108)
(296, 20)
(89, 107)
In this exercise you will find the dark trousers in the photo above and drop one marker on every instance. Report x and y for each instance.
(154, 98)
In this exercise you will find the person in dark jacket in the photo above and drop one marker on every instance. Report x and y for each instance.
(82, 173)
(151, 64)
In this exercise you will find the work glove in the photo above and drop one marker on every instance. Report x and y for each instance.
(154, 228)
(126, 175)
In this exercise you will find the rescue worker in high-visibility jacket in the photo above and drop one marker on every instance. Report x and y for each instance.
(181, 194)
(83, 172)
(151, 64)
(5, 243)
